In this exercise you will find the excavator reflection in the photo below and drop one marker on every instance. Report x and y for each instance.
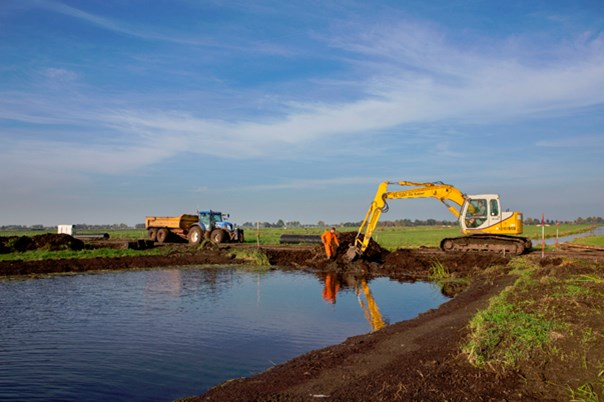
(369, 306)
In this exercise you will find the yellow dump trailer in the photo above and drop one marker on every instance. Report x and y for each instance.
(160, 228)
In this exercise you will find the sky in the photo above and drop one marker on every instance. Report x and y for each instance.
(112, 110)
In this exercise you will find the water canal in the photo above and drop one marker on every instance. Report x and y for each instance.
(167, 333)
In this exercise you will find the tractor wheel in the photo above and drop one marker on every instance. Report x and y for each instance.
(152, 234)
(195, 235)
(218, 236)
(162, 235)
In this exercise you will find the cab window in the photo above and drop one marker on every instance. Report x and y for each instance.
(477, 213)
(494, 208)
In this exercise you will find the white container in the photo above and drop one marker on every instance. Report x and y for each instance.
(66, 229)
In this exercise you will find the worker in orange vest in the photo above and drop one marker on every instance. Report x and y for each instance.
(331, 242)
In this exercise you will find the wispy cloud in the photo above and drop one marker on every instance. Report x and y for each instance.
(313, 183)
(155, 34)
(415, 76)
(592, 142)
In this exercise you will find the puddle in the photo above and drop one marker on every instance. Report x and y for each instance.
(168, 333)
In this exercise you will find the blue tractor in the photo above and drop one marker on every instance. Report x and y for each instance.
(217, 228)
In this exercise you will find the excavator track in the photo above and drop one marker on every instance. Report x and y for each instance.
(512, 245)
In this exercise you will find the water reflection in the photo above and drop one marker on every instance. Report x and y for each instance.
(165, 333)
(369, 307)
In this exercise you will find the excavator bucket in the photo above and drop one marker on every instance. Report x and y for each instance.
(352, 254)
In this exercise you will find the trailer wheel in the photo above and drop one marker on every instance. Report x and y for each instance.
(218, 236)
(152, 234)
(162, 234)
(195, 235)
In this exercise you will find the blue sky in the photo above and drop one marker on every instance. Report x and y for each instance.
(113, 110)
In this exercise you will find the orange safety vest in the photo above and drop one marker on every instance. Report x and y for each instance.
(330, 241)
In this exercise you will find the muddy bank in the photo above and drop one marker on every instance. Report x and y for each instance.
(180, 255)
(376, 261)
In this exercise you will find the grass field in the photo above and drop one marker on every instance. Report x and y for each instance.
(591, 241)
(391, 238)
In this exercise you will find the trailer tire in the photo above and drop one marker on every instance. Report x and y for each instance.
(152, 234)
(195, 235)
(218, 236)
(162, 235)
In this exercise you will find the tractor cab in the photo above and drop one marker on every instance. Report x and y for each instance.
(214, 219)
(217, 228)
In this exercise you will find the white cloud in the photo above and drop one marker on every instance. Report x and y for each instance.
(415, 76)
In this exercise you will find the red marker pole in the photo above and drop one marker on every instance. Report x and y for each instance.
(542, 235)
(556, 234)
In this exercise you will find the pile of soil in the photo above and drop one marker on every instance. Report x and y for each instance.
(314, 256)
(180, 256)
(49, 242)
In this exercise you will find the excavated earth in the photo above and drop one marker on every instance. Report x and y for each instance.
(417, 360)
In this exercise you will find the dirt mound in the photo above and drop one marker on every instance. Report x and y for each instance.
(201, 257)
(373, 253)
(314, 256)
(420, 263)
(50, 242)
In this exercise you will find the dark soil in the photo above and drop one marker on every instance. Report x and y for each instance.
(413, 360)
(182, 255)
(49, 242)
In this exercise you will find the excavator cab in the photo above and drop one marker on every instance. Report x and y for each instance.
(481, 212)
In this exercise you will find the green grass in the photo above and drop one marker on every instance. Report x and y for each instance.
(266, 236)
(253, 256)
(503, 334)
(101, 252)
(122, 234)
(590, 241)
(534, 232)
(438, 271)
(390, 238)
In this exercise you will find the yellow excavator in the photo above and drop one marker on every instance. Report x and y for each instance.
(479, 216)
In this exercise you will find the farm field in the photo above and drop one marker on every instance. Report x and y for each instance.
(390, 238)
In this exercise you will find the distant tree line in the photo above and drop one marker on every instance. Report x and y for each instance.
(279, 224)
(84, 226)
(592, 220)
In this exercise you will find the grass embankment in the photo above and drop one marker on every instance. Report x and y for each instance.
(590, 241)
(549, 326)
(38, 255)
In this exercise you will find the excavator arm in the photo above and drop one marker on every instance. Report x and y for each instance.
(442, 192)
